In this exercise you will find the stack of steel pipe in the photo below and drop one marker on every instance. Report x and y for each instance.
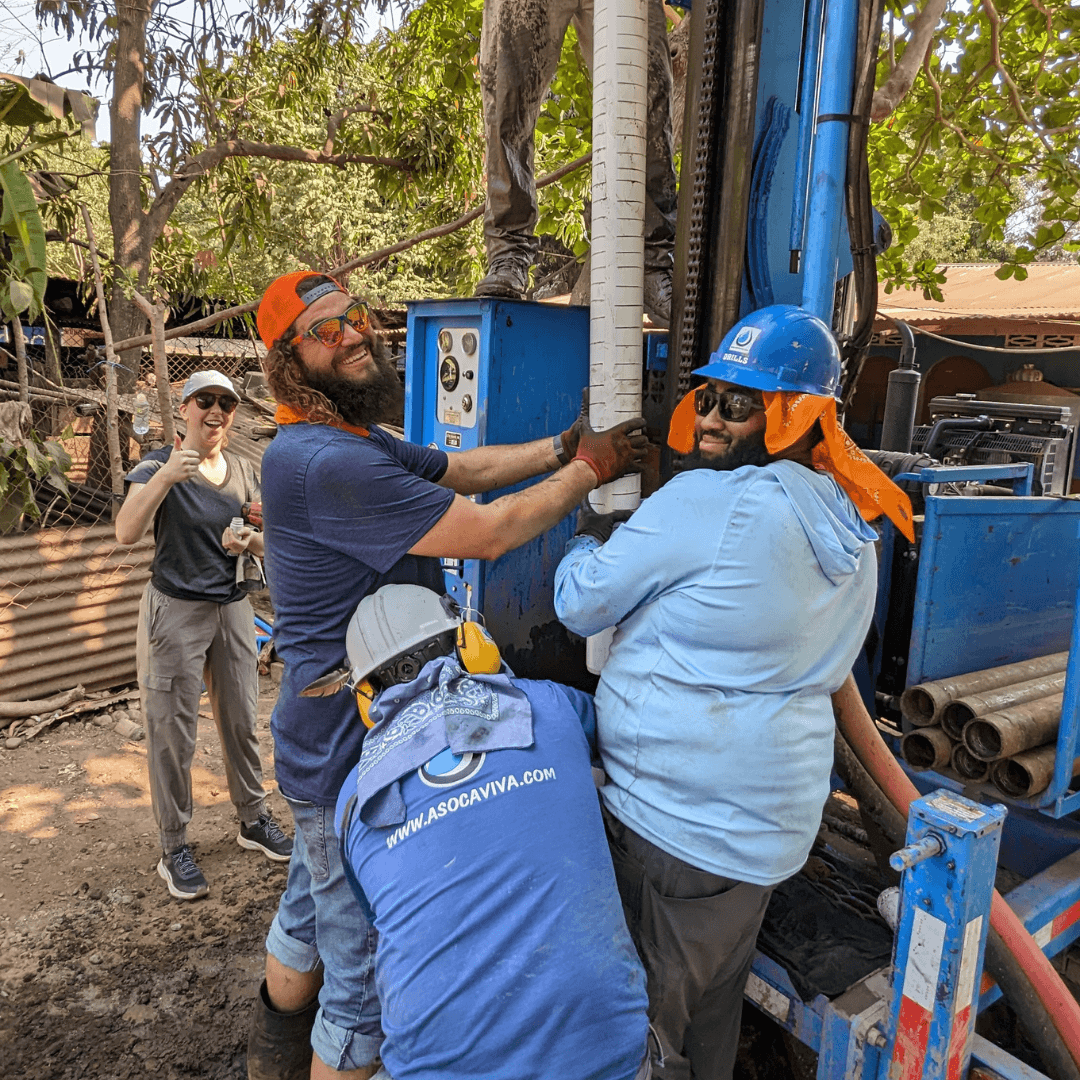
(999, 724)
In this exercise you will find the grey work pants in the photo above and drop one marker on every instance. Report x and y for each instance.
(695, 933)
(520, 46)
(180, 645)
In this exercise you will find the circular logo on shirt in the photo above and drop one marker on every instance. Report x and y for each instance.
(447, 769)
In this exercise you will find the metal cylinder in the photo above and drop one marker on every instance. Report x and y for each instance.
(955, 715)
(922, 705)
(967, 766)
(926, 748)
(901, 398)
(1012, 731)
(1026, 774)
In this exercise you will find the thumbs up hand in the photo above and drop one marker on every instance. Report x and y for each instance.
(182, 464)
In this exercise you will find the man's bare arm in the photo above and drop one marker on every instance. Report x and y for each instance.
(471, 530)
(486, 468)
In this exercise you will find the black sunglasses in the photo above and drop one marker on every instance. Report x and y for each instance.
(206, 401)
(735, 406)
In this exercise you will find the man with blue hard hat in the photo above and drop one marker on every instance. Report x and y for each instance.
(752, 588)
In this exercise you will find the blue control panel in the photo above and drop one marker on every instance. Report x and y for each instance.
(489, 372)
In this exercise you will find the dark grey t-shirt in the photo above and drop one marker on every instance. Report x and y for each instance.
(190, 562)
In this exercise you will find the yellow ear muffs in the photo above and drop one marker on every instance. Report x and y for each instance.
(477, 650)
(365, 695)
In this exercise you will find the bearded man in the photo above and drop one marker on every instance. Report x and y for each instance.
(348, 508)
(753, 585)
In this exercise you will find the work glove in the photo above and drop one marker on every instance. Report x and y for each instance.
(613, 453)
(590, 522)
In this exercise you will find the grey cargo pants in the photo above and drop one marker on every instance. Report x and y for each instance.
(181, 644)
(519, 52)
(695, 934)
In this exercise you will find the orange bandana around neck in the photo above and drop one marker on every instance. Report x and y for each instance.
(286, 414)
(788, 417)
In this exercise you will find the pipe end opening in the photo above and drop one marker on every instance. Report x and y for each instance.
(983, 740)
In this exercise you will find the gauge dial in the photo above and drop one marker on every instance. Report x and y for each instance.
(449, 373)
(446, 341)
(468, 343)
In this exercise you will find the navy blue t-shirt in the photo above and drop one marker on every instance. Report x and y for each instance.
(503, 952)
(340, 513)
(190, 561)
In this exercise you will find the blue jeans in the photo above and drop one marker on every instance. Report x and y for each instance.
(319, 921)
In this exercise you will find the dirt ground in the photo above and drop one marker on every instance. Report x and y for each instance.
(103, 976)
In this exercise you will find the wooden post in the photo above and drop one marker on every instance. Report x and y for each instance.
(156, 314)
(116, 469)
(52, 352)
(52, 370)
(20, 359)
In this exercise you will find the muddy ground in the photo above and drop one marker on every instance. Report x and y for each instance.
(103, 976)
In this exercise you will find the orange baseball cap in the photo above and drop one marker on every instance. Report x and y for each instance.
(286, 298)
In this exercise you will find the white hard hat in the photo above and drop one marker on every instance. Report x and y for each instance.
(394, 621)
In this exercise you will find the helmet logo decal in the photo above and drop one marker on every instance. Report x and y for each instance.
(743, 341)
(446, 769)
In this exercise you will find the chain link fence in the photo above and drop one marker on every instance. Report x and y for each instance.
(69, 593)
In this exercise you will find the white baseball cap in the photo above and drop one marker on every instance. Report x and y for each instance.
(204, 380)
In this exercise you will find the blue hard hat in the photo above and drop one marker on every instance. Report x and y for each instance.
(780, 347)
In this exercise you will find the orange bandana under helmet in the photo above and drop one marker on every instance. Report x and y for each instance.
(788, 417)
(282, 302)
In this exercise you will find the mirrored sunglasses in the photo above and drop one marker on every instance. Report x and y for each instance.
(206, 401)
(330, 332)
(735, 405)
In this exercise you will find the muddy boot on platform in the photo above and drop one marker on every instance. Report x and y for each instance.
(279, 1044)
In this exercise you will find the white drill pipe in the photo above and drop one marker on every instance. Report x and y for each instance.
(620, 47)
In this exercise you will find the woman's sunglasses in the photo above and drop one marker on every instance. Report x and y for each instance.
(330, 332)
(735, 406)
(206, 402)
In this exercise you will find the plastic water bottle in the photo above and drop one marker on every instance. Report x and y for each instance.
(140, 422)
(236, 527)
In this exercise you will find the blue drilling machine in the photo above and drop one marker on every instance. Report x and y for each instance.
(775, 207)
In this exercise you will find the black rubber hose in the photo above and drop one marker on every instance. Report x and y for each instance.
(1003, 967)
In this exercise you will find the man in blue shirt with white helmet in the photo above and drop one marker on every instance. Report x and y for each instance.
(472, 837)
(714, 720)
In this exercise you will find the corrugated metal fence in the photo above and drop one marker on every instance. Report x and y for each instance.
(69, 605)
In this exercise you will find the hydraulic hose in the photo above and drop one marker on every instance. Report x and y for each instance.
(1049, 1013)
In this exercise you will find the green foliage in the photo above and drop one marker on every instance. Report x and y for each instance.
(992, 115)
(26, 462)
(22, 264)
(35, 115)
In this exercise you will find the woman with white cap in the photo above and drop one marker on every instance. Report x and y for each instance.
(196, 626)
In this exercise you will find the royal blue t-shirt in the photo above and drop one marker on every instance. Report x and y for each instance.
(340, 513)
(503, 952)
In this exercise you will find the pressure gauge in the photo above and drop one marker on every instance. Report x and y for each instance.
(446, 341)
(449, 373)
(468, 343)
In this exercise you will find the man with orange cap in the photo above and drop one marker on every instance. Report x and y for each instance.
(347, 508)
(753, 585)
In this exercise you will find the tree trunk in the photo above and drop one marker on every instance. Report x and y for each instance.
(131, 243)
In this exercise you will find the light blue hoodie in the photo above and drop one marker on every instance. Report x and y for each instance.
(741, 600)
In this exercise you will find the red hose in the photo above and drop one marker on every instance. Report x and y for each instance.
(861, 732)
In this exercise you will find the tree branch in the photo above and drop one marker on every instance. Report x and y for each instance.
(210, 321)
(200, 164)
(902, 74)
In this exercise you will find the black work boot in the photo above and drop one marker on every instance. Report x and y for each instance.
(279, 1044)
(508, 275)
